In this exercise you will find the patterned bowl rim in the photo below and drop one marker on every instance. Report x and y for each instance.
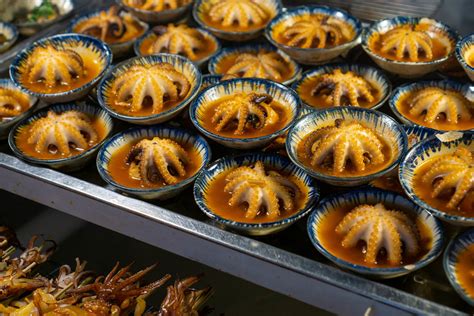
(213, 62)
(87, 16)
(101, 46)
(400, 20)
(437, 232)
(201, 23)
(315, 114)
(8, 83)
(209, 35)
(13, 29)
(445, 83)
(87, 108)
(357, 68)
(417, 150)
(458, 244)
(312, 9)
(154, 59)
(197, 102)
(467, 40)
(138, 132)
(267, 158)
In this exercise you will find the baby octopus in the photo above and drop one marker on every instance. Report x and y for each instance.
(242, 13)
(343, 88)
(54, 66)
(141, 86)
(12, 102)
(107, 24)
(156, 5)
(452, 177)
(244, 110)
(435, 103)
(317, 31)
(334, 146)
(380, 228)
(62, 132)
(262, 190)
(407, 41)
(157, 159)
(267, 65)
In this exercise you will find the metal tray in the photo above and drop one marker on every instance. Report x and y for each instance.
(286, 262)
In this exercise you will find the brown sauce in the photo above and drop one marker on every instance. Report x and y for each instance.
(438, 48)
(404, 105)
(146, 47)
(349, 170)
(469, 55)
(119, 168)
(228, 61)
(464, 270)
(320, 100)
(250, 132)
(236, 27)
(424, 191)
(92, 67)
(280, 28)
(21, 141)
(332, 241)
(218, 201)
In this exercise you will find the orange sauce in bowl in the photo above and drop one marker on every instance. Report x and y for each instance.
(332, 241)
(464, 270)
(144, 111)
(218, 201)
(21, 141)
(118, 167)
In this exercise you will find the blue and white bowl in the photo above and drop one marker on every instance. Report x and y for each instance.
(210, 80)
(159, 17)
(401, 91)
(276, 162)
(280, 93)
(181, 64)
(202, 6)
(382, 124)
(72, 163)
(374, 76)
(404, 68)
(200, 62)
(136, 134)
(7, 123)
(70, 41)
(293, 69)
(392, 201)
(420, 153)
(314, 56)
(450, 260)
(118, 49)
(464, 52)
(11, 34)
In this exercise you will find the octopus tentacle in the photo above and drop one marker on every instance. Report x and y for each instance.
(178, 39)
(156, 5)
(242, 13)
(12, 102)
(407, 41)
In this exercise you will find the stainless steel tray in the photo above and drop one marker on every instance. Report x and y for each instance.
(286, 263)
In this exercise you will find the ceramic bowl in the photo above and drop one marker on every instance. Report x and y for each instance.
(276, 162)
(135, 134)
(465, 55)
(200, 63)
(403, 68)
(6, 124)
(181, 64)
(65, 164)
(402, 90)
(214, 68)
(277, 91)
(75, 40)
(313, 56)
(381, 123)
(201, 6)
(65, 8)
(427, 149)
(118, 49)
(11, 34)
(450, 260)
(159, 17)
(210, 80)
(374, 76)
(391, 201)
